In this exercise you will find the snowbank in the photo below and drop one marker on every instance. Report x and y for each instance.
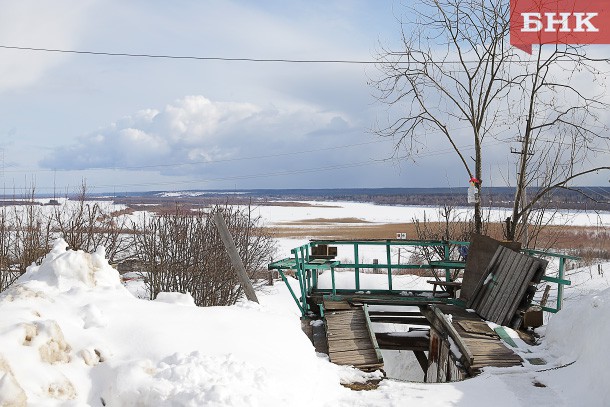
(71, 334)
(580, 334)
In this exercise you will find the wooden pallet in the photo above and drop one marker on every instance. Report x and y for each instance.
(482, 342)
(350, 338)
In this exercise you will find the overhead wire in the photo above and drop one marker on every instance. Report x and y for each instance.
(231, 178)
(224, 59)
(223, 160)
(190, 57)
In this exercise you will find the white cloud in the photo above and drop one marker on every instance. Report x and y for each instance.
(195, 129)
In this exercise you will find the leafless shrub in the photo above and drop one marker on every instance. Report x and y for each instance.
(182, 252)
(30, 237)
(451, 228)
(7, 276)
(86, 226)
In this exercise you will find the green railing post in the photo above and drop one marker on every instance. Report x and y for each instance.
(300, 271)
(562, 262)
(305, 255)
(447, 258)
(356, 268)
(332, 280)
(294, 297)
(389, 259)
(305, 278)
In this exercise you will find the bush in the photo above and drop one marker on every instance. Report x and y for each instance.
(182, 252)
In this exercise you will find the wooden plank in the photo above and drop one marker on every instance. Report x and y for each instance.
(521, 293)
(443, 361)
(358, 343)
(490, 290)
(333, 325)
(346, 320)
(238, 265)
(393, 342)
(366, 352)
(343, 335)
(476, 327)
(345, 323)
(343, 314)
(510, 276)
(512, 290)
(395, 313)
(494, 358)
(433, 356)
(480, 288)
(369, 326)
(400, 320)
(455, 336)
(352, 357)
(456, 373)
(331, 305)
(510, 301)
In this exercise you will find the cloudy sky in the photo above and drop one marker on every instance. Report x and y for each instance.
(126, 124)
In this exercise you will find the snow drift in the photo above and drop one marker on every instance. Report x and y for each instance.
(71, 334)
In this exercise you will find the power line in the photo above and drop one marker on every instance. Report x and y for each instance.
(236, 177)
(316, 150)
(153, 166)
(263, 60)
(192, 57)
(237, 59)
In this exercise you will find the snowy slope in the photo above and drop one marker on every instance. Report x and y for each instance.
(71, 334)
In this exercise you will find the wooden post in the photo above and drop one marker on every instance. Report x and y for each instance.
(238, 266)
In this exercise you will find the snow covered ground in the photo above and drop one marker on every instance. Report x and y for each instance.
(373, 213)
(71, 334)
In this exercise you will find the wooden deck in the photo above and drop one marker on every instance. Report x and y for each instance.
(349, 336)
(484, 345)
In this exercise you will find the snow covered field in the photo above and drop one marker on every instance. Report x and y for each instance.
(401, 214)
(72, 334)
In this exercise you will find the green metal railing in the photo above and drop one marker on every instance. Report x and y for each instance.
(306, 269)
(560, 280)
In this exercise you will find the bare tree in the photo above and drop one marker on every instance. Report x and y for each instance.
(457, 77)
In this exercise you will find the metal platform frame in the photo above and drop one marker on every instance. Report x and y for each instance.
(307, 268)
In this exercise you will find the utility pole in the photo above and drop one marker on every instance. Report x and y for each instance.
(521, 188)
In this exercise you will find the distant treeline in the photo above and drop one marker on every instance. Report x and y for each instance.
(580, 198)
